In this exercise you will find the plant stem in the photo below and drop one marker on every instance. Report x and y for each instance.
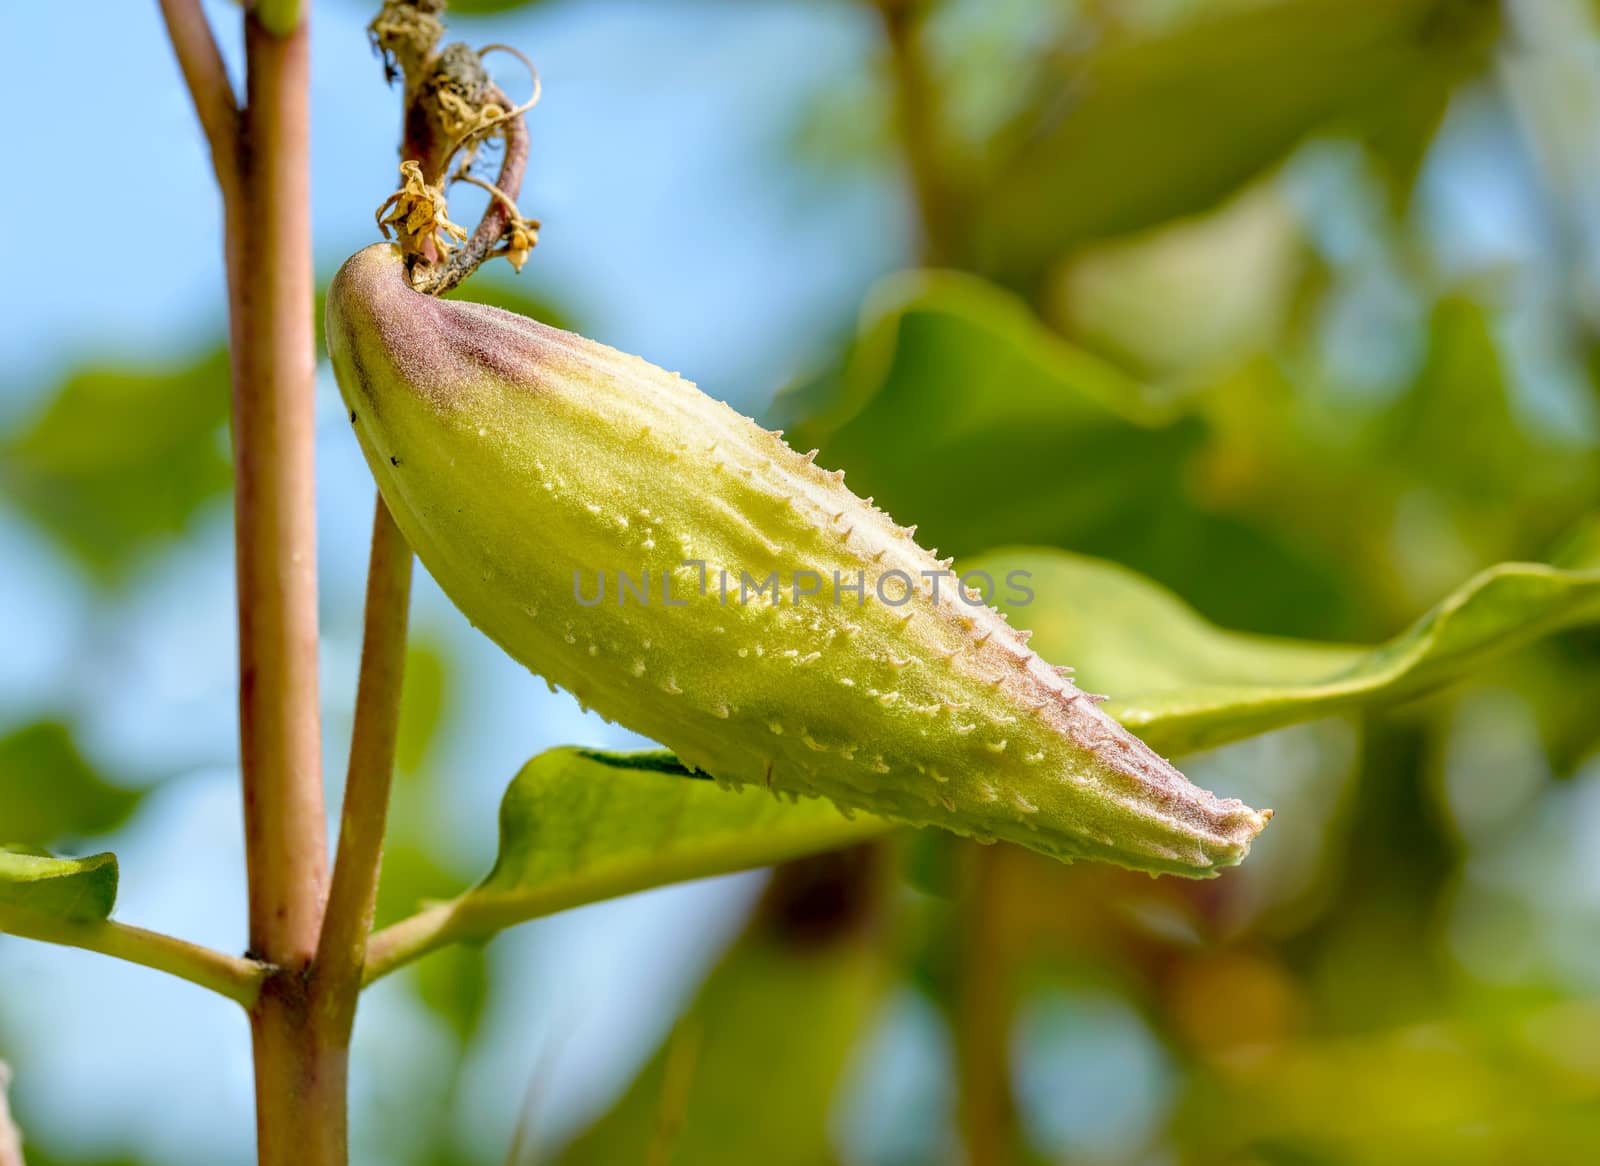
(231, 976)
(275, 522)
(261, 157)
(207, 80)
(300, 1105)
(342, 950)
(412, 938)
(985, 1006)
(918, 117)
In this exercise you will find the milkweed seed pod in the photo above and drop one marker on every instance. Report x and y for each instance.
(685, 573)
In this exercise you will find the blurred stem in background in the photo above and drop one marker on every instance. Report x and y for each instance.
(918, 120)
(985, 999)
(986, 1003)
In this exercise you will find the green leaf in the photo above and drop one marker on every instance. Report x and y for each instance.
(1156, 127)
(750, 1072)
(49, 792)
(957, 410)
(119, 462)
(1184, 684)
(77, 890)
(578, 826)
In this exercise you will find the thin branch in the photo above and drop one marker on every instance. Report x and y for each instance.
(918, 115)
(209, 87)
(238, 979)
(342, 950)
(412, 938)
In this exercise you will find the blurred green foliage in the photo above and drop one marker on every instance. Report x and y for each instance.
(1149, 129)
(118, 463)
(740, 1080)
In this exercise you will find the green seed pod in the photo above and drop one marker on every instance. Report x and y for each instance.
(609, 526)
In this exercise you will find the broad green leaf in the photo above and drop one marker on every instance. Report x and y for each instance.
(49, 792)
(77, 890)
(951, 373)
(1152, 128)
(577, 826)
(750, 1072)
(119, 462)
(1184, 684)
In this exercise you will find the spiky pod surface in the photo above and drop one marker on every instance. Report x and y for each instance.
(525, 464)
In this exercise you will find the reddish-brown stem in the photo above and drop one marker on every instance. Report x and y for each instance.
(273, 434)
(467, 258)
(312, 952)
(341, 954)
(299, 1084)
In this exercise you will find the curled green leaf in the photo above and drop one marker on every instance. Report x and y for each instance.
(577, 826)
(1185, 684)
(74, 890)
